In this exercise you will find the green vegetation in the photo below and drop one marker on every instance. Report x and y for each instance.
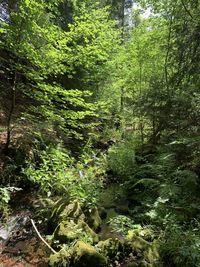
(100, 115)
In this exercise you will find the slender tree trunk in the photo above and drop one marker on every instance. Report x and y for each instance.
(141, 123)
(11, 111)
(123, 31)
(122, 101)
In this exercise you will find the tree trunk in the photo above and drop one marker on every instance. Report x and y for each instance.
(11, 111)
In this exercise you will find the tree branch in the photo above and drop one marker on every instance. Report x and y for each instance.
(41, 238)
(186, 9)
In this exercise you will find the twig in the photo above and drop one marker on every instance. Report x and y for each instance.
(41, 238)
(186, 9)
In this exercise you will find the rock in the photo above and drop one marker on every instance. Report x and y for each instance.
(85, 255)
(94, 220)
(102, 213)
(88, 231)
(68, 231)
(72, 211)
(62, 258)
(147, 234)
(136, 242)
(110, 247)
(148, 250)
(71, 223)
(57, 210)
(132, 264)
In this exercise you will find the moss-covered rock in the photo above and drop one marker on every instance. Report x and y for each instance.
(136, 242)
(63, 210)
(62, 258)
(132, 264)
(88, 231)
(94, 220)
(110, 247)
(85, 255)
(148, 250)
(70, 223)
(68, 231)
(72, 211)
(57, 209)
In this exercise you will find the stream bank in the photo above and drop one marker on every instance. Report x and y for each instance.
(19, 244)
(80, 236)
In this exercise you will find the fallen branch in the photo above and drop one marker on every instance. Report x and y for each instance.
(41, 238)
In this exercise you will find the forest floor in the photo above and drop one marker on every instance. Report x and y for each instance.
(19, 244)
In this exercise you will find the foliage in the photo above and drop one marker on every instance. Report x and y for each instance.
(54, 70)
(121, 224)
(121, 159)
(180, 247)
(58, 174)
(5, 196)
(67, 72)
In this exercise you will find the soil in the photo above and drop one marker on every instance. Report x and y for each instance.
(19, 244)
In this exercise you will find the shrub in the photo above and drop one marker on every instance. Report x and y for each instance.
(58, 173)
(5, 194)
(121, 159)
(180, 247)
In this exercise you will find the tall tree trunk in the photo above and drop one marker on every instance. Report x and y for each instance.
(11, 111)
(123, 31)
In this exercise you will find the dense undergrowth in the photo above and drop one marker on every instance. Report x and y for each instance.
(160, 187)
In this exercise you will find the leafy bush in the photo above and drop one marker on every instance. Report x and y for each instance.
(180, 247)
(121, 159)
(121, 224)
(5, 194)
(58, 173)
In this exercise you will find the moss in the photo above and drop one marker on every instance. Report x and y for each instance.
(132, 264)
(149, 250)
(84, 226)
(57, 209)
(86, 255)
(62, 258)
(110, 247)
(68, 231)
(72, 211)
(94, 220)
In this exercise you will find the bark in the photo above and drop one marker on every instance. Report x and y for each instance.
(11, 111)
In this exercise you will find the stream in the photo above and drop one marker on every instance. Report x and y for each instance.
(19, 244)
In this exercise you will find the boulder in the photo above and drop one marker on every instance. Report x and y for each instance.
(72, 211)
(85, 255)
(68, 231)
(94, 220)
(132, 264)
(110, 247)
(148, 250)
(61, 258)
(58, 208)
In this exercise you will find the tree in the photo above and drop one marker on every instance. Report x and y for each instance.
(52, 70)
(139, 71)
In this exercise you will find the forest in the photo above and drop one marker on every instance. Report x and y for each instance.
(99, 133)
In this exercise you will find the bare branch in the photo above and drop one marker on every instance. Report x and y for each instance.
(41, 238)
